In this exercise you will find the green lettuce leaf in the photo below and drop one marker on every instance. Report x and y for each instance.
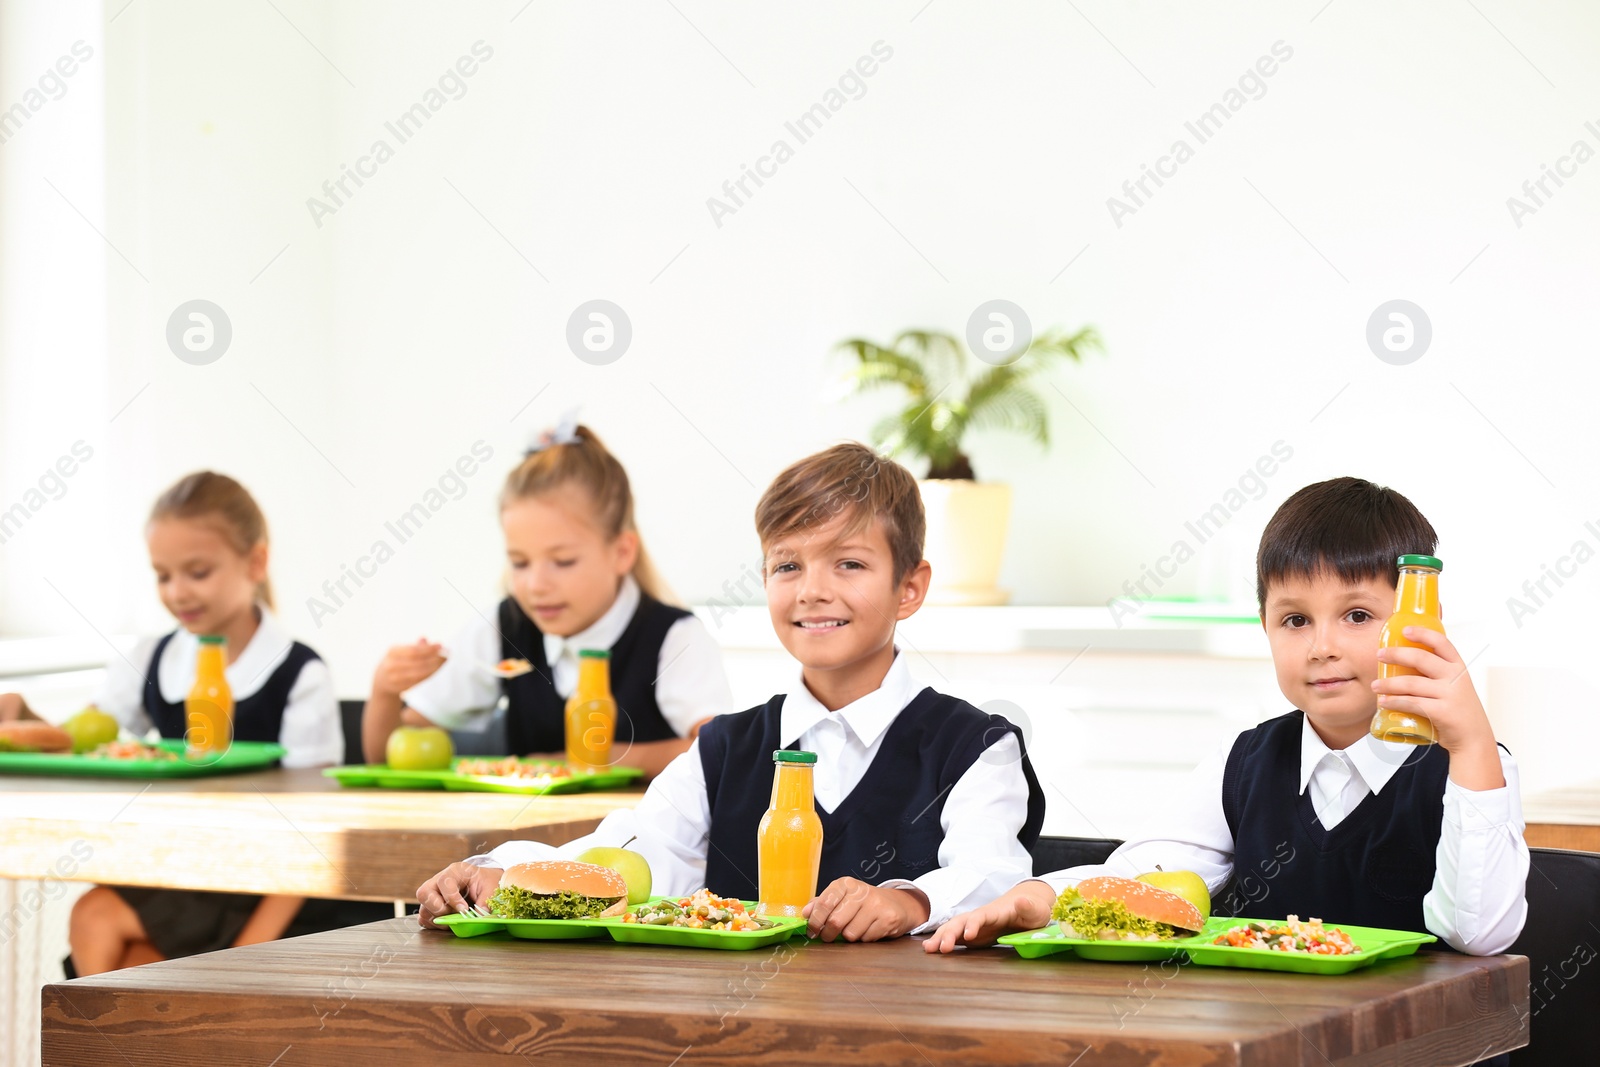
(511, 902)
(1092, 920)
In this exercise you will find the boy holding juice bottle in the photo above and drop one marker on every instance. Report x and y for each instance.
(1310, 814)
(927, 804)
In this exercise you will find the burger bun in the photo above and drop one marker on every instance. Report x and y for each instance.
(1144, 901)
(547, 878)
(30, 736)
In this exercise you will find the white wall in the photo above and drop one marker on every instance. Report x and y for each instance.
(407, 326)
(53, 311)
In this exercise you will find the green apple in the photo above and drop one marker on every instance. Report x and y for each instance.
(1186, 884)
(90, 728)
(634, 868)
(419, 748)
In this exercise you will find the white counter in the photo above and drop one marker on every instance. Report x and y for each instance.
(1033, 629)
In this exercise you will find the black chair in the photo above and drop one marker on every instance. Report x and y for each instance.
(1059, 853)
(489, 741)
(1562, 942)
(350, 719)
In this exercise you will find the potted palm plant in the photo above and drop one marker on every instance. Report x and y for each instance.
(948, 392)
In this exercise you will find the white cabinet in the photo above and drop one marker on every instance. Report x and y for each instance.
(1114, 717)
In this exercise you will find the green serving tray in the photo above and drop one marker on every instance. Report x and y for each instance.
(527, 929)
(783, 928)
(240, 756)
(1033, 944)
(378, 775)
(1375, 944)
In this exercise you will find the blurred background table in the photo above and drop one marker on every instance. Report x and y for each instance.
(1564, 818)
(280, 831)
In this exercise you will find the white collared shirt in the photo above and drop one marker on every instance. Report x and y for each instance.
(310, 734)
(979, 858)
(1477, 903)
(1339, 780)
(691, 683)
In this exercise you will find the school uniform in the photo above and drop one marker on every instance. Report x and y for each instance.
(1374, 835)
(666, 674)
(914, 788)
(282, 692)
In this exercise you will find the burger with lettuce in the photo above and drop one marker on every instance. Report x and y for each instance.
(558, 889)
(1123, 909)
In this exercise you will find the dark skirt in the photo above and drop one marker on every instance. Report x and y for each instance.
(186, 922)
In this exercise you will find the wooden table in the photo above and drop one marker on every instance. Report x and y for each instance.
(1564, 818)
(391, 993)
(278, 831)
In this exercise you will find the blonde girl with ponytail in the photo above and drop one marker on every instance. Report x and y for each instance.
(209, 550)
(579, 579)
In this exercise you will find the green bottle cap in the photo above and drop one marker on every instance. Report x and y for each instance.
(213, 639)
(594, 653)
(789, 755)
(1422, 561)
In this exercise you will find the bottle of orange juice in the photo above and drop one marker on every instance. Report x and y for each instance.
(789, 840)
(591, 713)
(1416, 603)
(209, 706)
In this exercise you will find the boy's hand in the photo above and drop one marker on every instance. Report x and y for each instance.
(403, 666)
(452, 889)
(862, 912)
(1442, 690)
(1023, 907)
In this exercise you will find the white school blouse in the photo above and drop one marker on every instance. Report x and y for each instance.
(1477, 903)
(979, 859)
(691, 683)
(311, 733)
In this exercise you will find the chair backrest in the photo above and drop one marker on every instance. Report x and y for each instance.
(490, 741)
(350, 720)
(1562, 942)
(1059, 853)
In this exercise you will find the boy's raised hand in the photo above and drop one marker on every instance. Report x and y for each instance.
(1442, 690)
(452, 889)
(403, 666)
(858, 911)
(1023, 907)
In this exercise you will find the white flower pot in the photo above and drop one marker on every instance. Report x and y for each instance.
(967, 524)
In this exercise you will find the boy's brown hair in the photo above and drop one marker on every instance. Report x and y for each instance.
(849, 479)
(1348, 527)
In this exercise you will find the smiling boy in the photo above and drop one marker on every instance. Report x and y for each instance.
(1308, 814)
(928, 804)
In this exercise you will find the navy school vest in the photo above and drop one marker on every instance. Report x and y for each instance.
(887, 827)
(257, 717)
(1372, 869)
(536, 712)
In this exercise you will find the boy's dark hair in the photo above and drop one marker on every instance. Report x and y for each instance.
(847, 479)
(1347, 526)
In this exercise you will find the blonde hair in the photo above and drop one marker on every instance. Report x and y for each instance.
(587, 463)
(208, 495)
